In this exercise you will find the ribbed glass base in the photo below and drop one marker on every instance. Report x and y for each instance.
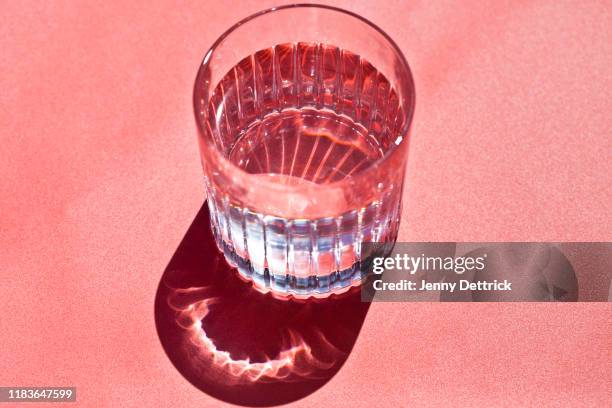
(298, 257)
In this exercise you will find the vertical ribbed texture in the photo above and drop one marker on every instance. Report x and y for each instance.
(302, 256)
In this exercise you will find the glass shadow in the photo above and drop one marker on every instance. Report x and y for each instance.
(242, 346)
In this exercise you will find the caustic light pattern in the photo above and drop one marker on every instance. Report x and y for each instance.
(296, 361)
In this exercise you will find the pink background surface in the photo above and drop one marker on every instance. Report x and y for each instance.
(101, 178)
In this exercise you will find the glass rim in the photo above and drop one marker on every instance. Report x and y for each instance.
(226, 163)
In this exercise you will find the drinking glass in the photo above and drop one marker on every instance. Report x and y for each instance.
(303, 113)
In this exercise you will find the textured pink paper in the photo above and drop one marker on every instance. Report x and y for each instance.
(101, 178)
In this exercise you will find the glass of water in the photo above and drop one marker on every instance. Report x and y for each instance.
(303, 113)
